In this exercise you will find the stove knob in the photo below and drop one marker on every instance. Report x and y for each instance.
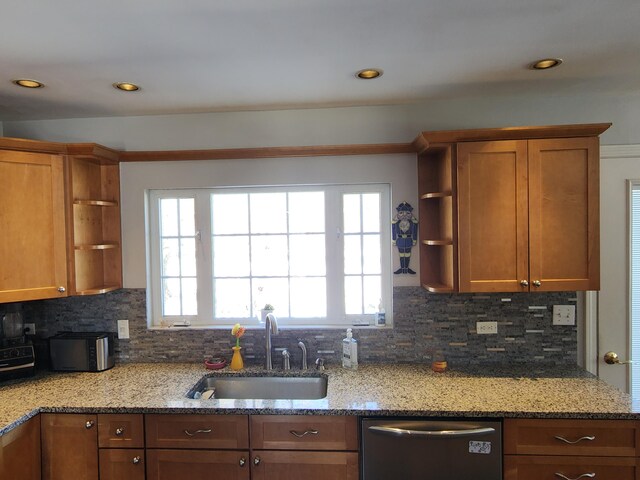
(15, 353)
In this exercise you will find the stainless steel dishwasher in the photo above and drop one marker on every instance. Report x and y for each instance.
(411, 449)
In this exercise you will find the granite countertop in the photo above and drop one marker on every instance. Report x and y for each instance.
(410, 390)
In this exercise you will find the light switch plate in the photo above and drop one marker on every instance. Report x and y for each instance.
(123, 329)
(564, 314)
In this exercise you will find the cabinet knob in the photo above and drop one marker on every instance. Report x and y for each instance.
(524, 283)
(242, 462)
(119, 431)
(62, 289)
(136, 460)
(256, 461)
(89, 424)
(536, 283)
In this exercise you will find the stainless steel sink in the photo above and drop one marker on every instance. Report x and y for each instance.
(261, 387)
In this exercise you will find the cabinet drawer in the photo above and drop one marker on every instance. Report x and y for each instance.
(121, 464)
(304, 432)
(197, 431)
(617, 438)
(531, 467)
(120, 431)
(197, 464)
(305, 465)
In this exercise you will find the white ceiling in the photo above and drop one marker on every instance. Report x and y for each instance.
(216, 55)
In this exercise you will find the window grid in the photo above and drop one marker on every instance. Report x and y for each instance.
(303, 294)
(180, 279)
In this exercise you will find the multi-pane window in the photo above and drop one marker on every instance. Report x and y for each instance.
(320, 255)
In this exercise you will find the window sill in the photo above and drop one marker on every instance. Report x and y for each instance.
(261, 327)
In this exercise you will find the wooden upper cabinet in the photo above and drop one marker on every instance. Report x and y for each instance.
(492, 216)
(564, 220)
(93, 203)
(527, 213)
(60, 220)
(32, 218)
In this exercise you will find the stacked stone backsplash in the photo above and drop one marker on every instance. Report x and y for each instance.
(424, 323)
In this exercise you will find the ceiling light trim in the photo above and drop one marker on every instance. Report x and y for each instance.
(28, 83)
(546, 63)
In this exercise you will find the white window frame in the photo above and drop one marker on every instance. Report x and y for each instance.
(334, 253)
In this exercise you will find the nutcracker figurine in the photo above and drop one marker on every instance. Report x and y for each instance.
(404, 233)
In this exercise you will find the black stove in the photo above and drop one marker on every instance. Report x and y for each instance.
(17, 358)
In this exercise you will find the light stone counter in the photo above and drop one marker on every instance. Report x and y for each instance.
(372, 390)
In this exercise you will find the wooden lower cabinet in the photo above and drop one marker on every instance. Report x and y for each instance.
(20, 452)
(122, 464)
(557, 449)
(69, 446)
(288, 465)
(197, 464)
(533, 467)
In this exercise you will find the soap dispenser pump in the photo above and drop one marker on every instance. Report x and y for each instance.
(349, 351)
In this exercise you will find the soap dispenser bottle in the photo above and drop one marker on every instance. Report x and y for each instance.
(349, 351)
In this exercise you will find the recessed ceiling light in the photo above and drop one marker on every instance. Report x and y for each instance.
(26, 83)
(126, 86)
(369, 73)
(546, 63)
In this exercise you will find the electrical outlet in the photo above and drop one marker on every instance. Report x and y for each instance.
(123, 329)
(31, 327)
(486, 328)
(564, 314)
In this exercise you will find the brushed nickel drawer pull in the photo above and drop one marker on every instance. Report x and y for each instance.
(584, 475)
(242, 462)
(302, 434)
(136, 460)
(119, 431)
(89, 424)
(208, 430)
(590, 438)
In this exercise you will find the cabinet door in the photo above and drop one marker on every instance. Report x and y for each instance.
(564, 207)
(197, 464)
(493, 216)
(283, 465)
(69, 446)
(20, 452)
(33, 243)
(121, 464)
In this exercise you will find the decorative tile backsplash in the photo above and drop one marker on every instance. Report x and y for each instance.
(424, 323)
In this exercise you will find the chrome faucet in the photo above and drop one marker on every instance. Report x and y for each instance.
(303, 347)
(271, 326)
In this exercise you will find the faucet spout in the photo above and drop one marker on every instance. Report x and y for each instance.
(271, 327)
(303, 347)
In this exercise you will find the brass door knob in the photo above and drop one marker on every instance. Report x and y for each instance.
(611, 358)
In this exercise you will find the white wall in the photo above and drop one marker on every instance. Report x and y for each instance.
(399, 170)
(381, 124)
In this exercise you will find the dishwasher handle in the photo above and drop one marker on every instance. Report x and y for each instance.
(401, 432)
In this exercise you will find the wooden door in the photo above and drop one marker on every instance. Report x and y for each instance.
(69, 446)
(32, 216)
(20, 452)
(197, 464)
(122, 464)
(564, 229)
(286, 465)
(493, 216)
